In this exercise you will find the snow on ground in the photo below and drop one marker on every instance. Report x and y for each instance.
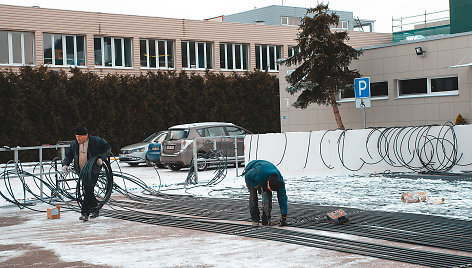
(117, 243)
(358, 191)
(106, 241)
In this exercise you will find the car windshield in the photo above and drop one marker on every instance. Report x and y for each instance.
(177, 134)
(150, 137)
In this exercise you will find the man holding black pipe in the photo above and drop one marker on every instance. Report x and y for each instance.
(80, 151)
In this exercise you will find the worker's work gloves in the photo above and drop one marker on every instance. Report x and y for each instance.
(283, 221)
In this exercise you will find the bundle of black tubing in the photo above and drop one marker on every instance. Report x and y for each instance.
(394, 253)
(85, 181)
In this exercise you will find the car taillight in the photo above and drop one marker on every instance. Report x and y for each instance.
(185, 144)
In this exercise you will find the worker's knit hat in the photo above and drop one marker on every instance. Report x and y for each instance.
(80, 131)
(275, 183)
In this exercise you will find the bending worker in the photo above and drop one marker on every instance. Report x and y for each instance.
(81, 150)
(263, 177)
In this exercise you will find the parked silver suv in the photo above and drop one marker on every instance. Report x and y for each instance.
(177, 147)
(135, 154)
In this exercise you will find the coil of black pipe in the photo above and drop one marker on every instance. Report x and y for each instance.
(104, 182)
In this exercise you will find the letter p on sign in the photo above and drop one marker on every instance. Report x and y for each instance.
(362, 87)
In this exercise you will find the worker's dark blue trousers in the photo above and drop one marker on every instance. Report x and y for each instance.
(254, 205)
(90, 203)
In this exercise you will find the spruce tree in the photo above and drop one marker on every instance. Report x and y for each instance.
(323, 61)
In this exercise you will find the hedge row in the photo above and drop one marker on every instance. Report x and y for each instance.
(41, 106)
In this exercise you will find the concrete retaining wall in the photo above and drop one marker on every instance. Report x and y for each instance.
(423, 148)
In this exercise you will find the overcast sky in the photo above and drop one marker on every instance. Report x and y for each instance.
(380, 10)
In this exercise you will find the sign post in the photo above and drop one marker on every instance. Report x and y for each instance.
(362, 93)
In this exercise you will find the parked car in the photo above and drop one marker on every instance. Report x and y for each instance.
(177, 147)
(154, 151)
(135, 154)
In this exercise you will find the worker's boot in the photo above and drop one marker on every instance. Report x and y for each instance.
(94, 214)
(84, 217)
(265, 220)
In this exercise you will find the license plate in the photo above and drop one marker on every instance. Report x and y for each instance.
(170, 147)
(156, 148)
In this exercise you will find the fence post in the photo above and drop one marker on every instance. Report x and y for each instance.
(41, 172)
(236, 164)
(16, 159)
(195, 159)
(63, 153)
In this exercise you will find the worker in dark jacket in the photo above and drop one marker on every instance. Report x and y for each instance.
(263, 177)
(80, 151)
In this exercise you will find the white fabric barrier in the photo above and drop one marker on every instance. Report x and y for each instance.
(422, 148)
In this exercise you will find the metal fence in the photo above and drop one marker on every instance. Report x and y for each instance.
(236, 159)
(16, 165)
(419, 26)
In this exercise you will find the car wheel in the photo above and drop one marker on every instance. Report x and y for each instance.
(133, 164)
(174, 167)
(202, 166)
(149, 163)
(159, 164)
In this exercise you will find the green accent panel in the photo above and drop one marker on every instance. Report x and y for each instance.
(460, 11)
(443, 29)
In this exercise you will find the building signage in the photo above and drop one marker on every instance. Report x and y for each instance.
(362, 87)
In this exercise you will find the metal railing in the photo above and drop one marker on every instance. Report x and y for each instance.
(423, 20)
(41, 163)
(236, 158)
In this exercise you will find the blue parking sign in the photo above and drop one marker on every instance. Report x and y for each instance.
(362, 87)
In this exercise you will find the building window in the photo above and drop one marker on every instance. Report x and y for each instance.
(16, 48)
(428, 86)
(413, 86)
(444, 84)
(233, 56)
(344, 25)
(197, 55)
(157, 53)
(112, 52)
(293, 21)
(293, 51)
(377, 89)
(267, 56)
(65, 50)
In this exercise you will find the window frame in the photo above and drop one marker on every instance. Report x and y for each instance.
(293, 50)
(261, 57)
(156, 48)
(352, 99)
(64, 51)
(207, 57)
(428, 93)
(228, 132)
(112, 52)
(282, 20)
(22, 49)
(339, 26)
(244, 56)
(288, 20)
